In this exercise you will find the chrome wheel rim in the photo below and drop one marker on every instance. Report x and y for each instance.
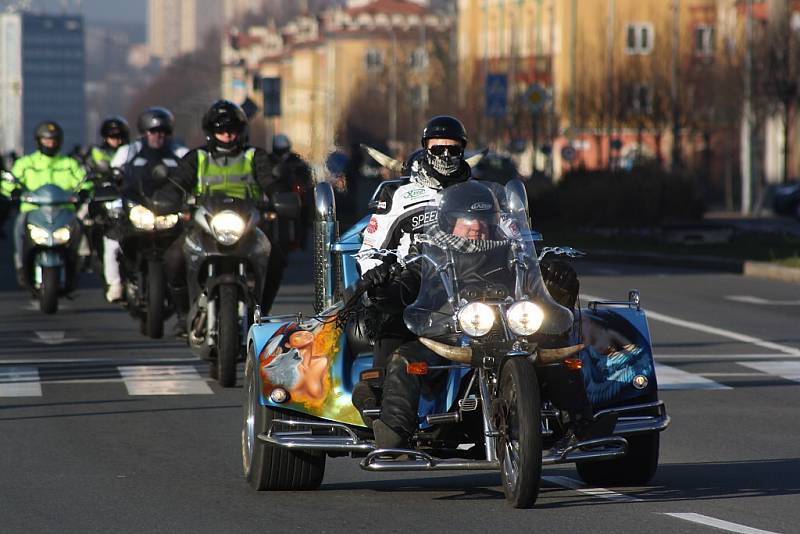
(510, 443)
(249, 427)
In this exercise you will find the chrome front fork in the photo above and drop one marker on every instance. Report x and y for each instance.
(490, 432)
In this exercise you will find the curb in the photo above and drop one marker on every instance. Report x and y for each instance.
(756, 269)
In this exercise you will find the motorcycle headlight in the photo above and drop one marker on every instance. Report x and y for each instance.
(164, 222)
(39, 235)
(228, 227)
(142, 218)
(476, 319)
(525, 318)
(61, 235)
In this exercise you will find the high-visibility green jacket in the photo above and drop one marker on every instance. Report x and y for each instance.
(37, 169)
(232, 176)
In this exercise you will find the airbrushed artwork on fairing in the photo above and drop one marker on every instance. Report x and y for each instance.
(615, 353)
(303, 359)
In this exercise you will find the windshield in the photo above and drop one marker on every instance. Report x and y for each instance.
(479, 250)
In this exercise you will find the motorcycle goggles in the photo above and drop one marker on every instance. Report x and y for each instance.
(160, 129)
(230, 128)
(450, 150)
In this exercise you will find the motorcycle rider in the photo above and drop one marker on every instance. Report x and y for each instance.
(469, 225)
(401, 211)
(44, 166)
(227, 164)
(136, 162)
(114, 132)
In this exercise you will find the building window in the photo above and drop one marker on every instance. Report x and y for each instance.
(418, 59)
(704, 40)
(639, 38)
(373, 60)
(640, 99)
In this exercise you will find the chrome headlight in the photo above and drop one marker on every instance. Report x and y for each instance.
(227, 226)
(39, 235)
(142, 218)
(61, 235)
(525, 318)
(164, 222)
(476, 319)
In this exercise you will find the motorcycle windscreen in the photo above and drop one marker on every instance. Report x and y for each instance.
(479, 249)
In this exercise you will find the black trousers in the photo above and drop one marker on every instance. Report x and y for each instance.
(401, 391)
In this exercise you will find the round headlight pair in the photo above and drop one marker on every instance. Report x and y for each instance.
(40, 236)
(144, 219)
(227, 226)
(524, 318)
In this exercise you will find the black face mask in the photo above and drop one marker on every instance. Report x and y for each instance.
(47, 151)
(444, 159)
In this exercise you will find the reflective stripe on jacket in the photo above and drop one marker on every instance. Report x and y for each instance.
(231, 176)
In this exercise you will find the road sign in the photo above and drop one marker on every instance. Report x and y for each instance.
(271, 88)
(568, 153)
(496, 92)
(536, 97)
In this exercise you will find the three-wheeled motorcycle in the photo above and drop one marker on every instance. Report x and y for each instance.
(496, 403)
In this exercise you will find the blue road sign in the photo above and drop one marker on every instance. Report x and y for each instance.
(496, 92)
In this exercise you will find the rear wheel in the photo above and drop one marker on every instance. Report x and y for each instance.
(267, 467)
(156, 290)
(520, 444)
(228, 332)
(634, 469)
(48, 291)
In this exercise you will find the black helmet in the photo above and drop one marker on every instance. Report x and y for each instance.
(469, 200)
(444, 127)
(281, 144)
(115, 126)
(48, 130)
(156, 117)
(225, 116)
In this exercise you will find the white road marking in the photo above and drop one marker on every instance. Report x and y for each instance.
(725, 357)
(720, 524)
(674, 378)
(571, 483)
(154, 359)
(748, 299)
(21, 381)
(787, 370)
(163, 380)
(52, 337)
(785, 349)
(733, 375)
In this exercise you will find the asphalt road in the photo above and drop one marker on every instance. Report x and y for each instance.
(83, 450)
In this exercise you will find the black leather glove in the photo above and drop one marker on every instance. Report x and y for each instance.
(379, 275)
(561, 281)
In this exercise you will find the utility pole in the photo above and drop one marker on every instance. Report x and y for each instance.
(747, 130)
(610, 77)
(676, 118)
(393, 93)
(574, 70)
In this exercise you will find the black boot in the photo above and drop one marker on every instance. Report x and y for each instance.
(388, 438)
(180, 297)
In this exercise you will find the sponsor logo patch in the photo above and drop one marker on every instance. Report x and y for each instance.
(372, 226)
(481, 206)
(423, 219)
(414, 193)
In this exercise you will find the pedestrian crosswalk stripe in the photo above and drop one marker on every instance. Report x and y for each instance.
(163, 380)
(20, 381)
(673, 378)
(787, 370)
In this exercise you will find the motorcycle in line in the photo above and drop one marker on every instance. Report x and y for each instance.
(52, 237)
(227, 261)
(145, 227)
(495, 407)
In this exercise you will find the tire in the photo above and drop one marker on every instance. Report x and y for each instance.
(48, 291)
(634, 469)
(228, 335)
(156, 291)
(520, 445)
(267, 467)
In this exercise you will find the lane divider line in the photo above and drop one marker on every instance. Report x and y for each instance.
(719, 523)
(20, 381)
(674, 378)
(787, 370)
(785, 349)
(603, 493)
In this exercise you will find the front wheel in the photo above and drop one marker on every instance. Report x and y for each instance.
(156, 290)
(267, 467)
(228, 331)
(520, 444)
(48, 290)
(636, 468)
